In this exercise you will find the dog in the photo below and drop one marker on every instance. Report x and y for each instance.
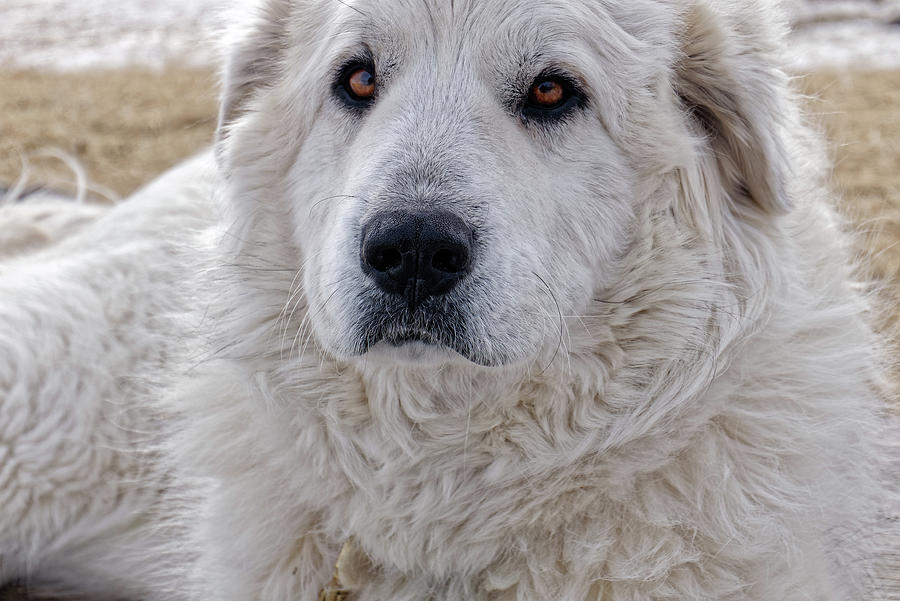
(472, 300)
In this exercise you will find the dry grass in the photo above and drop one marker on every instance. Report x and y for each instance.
(124, 127)
(861, 115)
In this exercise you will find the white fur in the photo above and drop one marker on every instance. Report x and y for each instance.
(662, 384)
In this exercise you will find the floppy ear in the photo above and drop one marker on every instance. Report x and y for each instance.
(253, 60)
(729, 83)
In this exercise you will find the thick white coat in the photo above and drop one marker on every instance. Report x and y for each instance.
(676, 395)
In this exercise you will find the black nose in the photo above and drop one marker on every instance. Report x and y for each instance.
(416, 254)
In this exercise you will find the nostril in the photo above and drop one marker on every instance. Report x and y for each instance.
(450, 260)
(416, 255)
(384, 259)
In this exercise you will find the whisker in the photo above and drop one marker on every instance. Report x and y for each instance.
(351, 7)
(559, 345)
(310, 313)
(318, 202)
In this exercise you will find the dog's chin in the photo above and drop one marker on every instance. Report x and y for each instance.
(432, 335)
(412, 352)
(422, 349)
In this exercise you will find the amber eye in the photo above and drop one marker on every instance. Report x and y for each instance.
(360, 83)
(547, 94)
(552, 97)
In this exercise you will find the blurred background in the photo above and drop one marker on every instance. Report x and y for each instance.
(127, 87)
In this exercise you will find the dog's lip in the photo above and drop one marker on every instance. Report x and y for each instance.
(422, 339)
(399, 329)
(410, 336)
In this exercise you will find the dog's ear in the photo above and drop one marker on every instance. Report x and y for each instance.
(728, 82)
(253, 60)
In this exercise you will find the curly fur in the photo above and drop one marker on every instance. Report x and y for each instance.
(667, 388)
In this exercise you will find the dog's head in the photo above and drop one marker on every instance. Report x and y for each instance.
(465, 179)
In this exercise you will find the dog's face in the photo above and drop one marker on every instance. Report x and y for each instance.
(464, 176)
(471, 195)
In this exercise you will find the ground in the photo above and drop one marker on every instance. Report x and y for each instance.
(124, 126)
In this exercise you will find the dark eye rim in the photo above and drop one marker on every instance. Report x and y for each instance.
(341, 85)
(573, 98)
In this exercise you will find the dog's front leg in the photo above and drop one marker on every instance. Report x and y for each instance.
(249, 554)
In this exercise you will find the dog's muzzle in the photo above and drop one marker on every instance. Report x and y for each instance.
(416, 255)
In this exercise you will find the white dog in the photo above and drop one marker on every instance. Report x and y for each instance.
(528, 300)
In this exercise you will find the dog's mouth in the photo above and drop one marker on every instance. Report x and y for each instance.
(396, 335)
(403, 337)
(416, 334)
(413, 347)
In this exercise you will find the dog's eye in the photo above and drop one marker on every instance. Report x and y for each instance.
(547, 94)
(361, 84)
(357, 84)
(550, 96)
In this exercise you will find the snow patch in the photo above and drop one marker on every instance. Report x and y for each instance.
(69, 35)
